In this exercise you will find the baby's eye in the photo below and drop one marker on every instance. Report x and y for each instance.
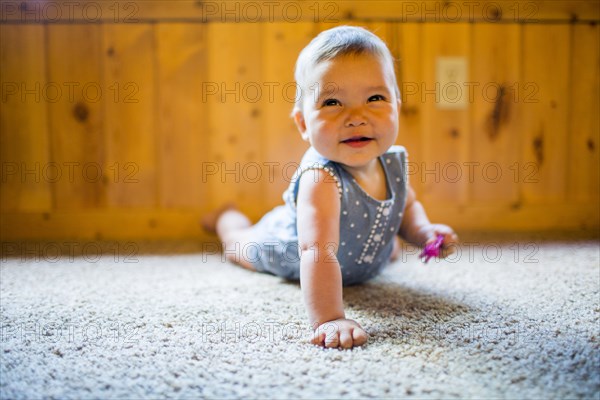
(376, 97)
(331, 102)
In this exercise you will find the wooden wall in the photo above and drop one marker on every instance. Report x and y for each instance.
(132, 119)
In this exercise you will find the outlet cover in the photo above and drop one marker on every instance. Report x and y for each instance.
(452, 92)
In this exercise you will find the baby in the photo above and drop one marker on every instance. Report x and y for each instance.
(349, 198)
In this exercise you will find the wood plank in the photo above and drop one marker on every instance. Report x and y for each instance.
(446, 132)
(129, 71)
(521, 218)
(461, 11)
(99, 224)
(234, 126)
(24, 154)
(407, 49)
(495, 76)
(292, 11)
(544, 113)
(584, 123)
(404, 44)
(77, 115)
(182, 130)
(283, 145)
(144, 224)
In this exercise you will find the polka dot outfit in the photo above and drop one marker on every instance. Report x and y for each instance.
(367, 225)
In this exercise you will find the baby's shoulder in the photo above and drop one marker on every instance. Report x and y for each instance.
(313, 158)
(396, 149)
(395, 155)
(396, 162)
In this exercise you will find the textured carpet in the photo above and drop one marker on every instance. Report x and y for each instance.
(510, 317)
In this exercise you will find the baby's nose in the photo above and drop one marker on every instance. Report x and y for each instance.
(355, 118)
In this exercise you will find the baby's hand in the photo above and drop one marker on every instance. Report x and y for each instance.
(344, 333)
(450, 239)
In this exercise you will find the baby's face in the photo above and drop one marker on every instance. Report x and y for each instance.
(350, 110)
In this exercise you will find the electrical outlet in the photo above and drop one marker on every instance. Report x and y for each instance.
(451, 77)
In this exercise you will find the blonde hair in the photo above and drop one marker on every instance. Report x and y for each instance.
(336, 42)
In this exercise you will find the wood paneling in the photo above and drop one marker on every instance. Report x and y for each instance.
(544, 113)
(192, 116)
(142, 223)
(76, 115)
(234, 129)
(584, 130)
(495, 143)
(409, 53)
(24, 140)
(446, 132)
(292, 11)
(131, 115)
(283, 145)
(182, 56)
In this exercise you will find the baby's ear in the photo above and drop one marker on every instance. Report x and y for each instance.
(300, 123)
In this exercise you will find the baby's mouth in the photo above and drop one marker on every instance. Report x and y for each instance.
(357, 141)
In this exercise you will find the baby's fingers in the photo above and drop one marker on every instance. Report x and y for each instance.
(359, 336)
(325, 333)
(318, 338)
(450, 239)
(449, 244)
(346, 339)
(332, 339)
(346, 334)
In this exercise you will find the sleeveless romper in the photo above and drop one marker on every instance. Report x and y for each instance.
(367, 225)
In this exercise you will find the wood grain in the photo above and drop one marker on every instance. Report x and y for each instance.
(408, 50)
(24, 137)
(131, 114)
(584, 123)
(194, 115)
(182, 130)
(292, 11)
(283, 145)
(446, 133)
(544, 108)
(495, 143)
(76, 115)
(232, 100)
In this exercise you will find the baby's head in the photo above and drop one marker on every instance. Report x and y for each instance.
(348, 97)
(338, 42)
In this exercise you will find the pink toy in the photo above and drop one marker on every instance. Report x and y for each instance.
(432, 249)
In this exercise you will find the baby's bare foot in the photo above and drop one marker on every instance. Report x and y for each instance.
(209, 221)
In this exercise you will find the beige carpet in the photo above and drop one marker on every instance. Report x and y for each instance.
(512, 317)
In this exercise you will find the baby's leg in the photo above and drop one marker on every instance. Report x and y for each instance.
(397, 251)
(234, 231)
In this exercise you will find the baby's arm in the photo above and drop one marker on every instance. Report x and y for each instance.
(318, 213)
(417, 229)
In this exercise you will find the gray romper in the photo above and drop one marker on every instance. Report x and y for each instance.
(367, 225)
